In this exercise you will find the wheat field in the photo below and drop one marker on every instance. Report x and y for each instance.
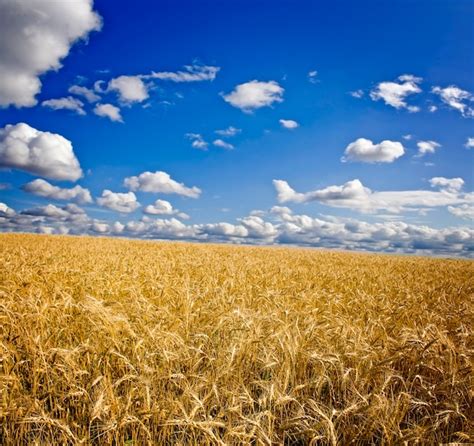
(107, 341)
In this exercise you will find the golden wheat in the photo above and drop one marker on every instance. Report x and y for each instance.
(109, 341)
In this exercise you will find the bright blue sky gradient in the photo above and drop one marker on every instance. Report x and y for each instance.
(352, 45)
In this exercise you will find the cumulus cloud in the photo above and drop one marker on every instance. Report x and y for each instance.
(469, 143)
(464, 211)
(6, 211)
(44, 189)
(67, 103)
(355, 196)
(223, 231)
(100, 228)
(163, 207)
(280, 210)
(456, 98)
(49, 210)
(222, 144)
(130, 89)
(161, 228)
(120, 202)
(288, 124)
(51, 219)
(365, 151)
(85, 92)
(108, 111)
(254, 94)
(42, 153)
(249, 229)
(285, 228)
(191, 73)
(159, 207)
(425, 147)
(452, 185)
(228, 132)
(197, 141)
(391, 236)
(35, 38)
(160, 182)
(395, 93)
(258, 228)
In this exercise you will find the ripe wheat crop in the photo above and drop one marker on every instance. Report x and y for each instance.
(107, 341)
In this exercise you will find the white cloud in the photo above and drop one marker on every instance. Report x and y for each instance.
(35, 38)
(312, 77)
(85, 92)
(432, 108)
(163, 207)
(159, 207)
(100, 228)
(222, 144)
(117, 227)
(74, 209)
(452, 185)
(425, 147)
(130, 89)
(390, 236)
(223, 231)
(407, 137)
(365, 151)
(67, 103)
(49, 210)
(160, 228)
(133, 89)
(160, 182)
(456, 98)
(120, 202)
(409, 78)
(192, 73)
(6, 211)
(228, 132)
(258, 228)
(395, 93)
(42, 153)
(48, 219)
(464, 211)
(108, 111)
(288, 124)
(285, 228)
(99, 87)
(469, 143)
(70, 214)
(197, 141)
(355, 196)
(280, 210)
(255, 94)
(42, 188)
(357, 94)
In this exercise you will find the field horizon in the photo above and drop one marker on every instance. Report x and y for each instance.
(117, 341)
(355, 251)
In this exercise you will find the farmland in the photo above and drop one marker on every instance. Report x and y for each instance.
(108, 341)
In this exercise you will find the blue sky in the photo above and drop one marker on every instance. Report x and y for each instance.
(361, 111)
